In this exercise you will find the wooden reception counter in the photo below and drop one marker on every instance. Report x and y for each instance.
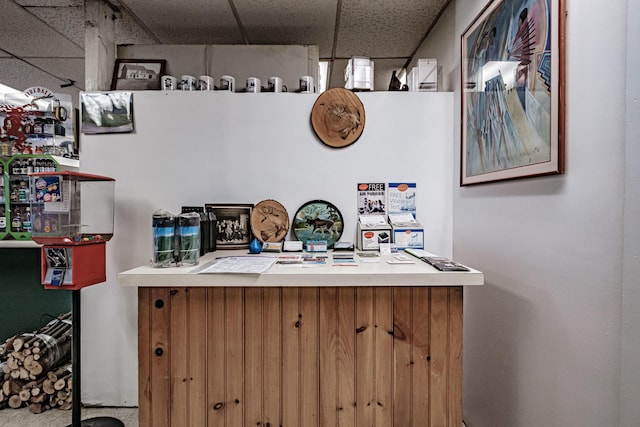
(374, 345)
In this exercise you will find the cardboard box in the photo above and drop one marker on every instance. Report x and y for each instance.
(358, 73)
(427, 75)
(370, 236)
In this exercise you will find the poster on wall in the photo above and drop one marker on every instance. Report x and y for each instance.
(513, 91)
(107, 112)
(37, 121)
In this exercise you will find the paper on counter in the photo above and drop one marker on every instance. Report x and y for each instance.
(240, 264)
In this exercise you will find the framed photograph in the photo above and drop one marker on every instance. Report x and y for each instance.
(513, 85)
(137, 74)
(234, 224)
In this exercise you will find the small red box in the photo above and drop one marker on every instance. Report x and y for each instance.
(73, 266)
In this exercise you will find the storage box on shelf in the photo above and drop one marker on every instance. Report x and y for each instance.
(358, 75)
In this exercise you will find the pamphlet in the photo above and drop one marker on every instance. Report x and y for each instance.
(402, 219)
(402, 198)
(372, 199)
(438, 262)
(368, 221)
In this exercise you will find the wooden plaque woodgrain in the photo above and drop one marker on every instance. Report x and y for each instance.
(269, 221)
(338, 117)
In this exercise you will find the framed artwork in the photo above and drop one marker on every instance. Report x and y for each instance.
(269, 221)
(234, 224)
(318, 220)
(338, 117)
(137, 74)
(513, 84)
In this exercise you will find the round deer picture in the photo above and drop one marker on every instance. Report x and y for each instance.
(318, 220)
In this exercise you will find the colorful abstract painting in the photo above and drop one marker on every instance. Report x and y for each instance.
(512, 92)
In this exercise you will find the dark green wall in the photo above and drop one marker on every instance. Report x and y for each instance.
(25, 305)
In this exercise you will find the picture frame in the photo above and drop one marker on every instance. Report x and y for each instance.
(137, 74)
(234, 224)
(318, 220)
(513, 91)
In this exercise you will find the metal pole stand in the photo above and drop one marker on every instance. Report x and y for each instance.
(76, 407)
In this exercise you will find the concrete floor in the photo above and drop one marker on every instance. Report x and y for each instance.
(58, 418)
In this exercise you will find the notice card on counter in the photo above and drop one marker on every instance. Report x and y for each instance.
(240, 265)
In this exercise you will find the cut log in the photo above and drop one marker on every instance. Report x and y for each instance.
(17, 344)
(12, 363)
(14, 386)
(15, 402)
(24, 395)
(34, 368)
(38, 398)
(36, 408)
(24, 374)
(47, 387)
(60, 384)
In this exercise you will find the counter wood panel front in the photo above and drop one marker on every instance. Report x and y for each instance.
(300, 357)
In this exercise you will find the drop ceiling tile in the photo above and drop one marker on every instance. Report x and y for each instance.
(192, 22)
(22, 76)
(50, 3)
(129, 31)
(68, 21)
(305, 22)
(25, 35)
(383, 28)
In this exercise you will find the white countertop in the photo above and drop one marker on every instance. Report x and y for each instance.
(19, 244)
(364, 274)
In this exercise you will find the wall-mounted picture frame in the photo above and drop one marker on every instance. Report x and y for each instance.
(138, 74)
(234, 224)
(513, 91)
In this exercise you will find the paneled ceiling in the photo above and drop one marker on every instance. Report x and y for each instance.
(42, 41)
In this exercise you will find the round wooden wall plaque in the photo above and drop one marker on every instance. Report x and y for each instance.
(338, 117)
(269, 221)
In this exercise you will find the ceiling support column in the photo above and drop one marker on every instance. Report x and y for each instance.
(99, 44)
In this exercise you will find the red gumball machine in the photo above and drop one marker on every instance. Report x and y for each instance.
(72, 216)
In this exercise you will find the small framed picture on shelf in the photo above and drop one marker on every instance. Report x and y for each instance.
(137, 74)
(234, 224)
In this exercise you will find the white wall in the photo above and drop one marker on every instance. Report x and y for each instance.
(202, 147)
(630, 374)
(289, 62)
(543, 336)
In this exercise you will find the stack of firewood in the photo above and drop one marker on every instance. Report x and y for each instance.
(35, 368)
